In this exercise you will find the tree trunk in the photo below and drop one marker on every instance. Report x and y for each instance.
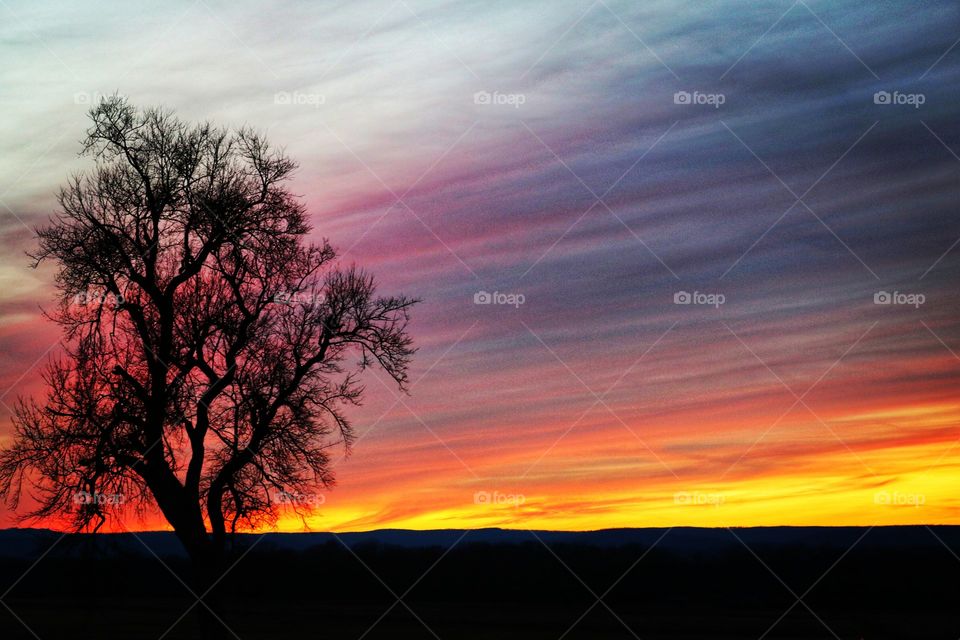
(206, 569)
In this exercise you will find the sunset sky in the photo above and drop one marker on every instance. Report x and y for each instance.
(542, 150)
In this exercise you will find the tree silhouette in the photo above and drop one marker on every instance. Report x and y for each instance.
(210, 350)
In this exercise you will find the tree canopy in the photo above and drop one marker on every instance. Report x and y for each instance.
(211, 350)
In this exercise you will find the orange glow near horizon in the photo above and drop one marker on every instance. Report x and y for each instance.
(863, 482)
(864, 485)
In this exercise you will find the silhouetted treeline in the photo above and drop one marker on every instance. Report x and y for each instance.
(726, 591)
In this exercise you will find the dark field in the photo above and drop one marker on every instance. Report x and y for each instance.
(893, 583)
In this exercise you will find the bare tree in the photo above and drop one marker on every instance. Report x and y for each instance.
(211, 351)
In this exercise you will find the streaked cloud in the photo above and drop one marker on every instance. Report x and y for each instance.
(598, 198)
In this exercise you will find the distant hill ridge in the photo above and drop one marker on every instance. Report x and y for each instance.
(20, 543)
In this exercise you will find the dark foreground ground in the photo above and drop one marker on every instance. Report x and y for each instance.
(901, 582)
